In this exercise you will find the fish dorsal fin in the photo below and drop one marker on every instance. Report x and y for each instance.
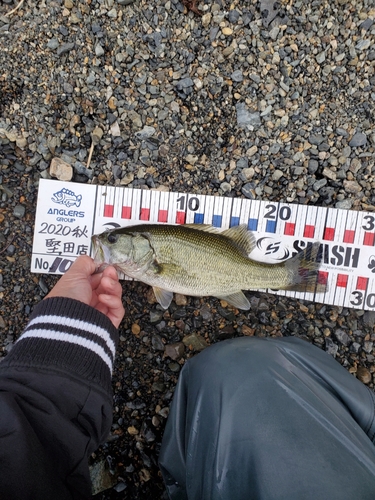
(203, 227)
(242, 237)
(163, 297)
(237, 299)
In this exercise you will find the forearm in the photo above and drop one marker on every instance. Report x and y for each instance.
(55, 395)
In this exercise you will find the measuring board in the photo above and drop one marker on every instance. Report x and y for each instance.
(68, 214)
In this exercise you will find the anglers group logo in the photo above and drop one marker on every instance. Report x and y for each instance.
(67, 198)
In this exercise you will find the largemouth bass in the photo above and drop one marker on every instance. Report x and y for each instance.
(199, 260)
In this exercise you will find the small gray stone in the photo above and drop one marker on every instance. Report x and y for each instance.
(53, 43)
(316, 139)
(344, 204)
(91, 78)
(248, 190)
(363, 44)
(156, 316)
(366, 24)
(331, 347)
(358, 139)
(99, 51)
(197, 342)
(355, 347)
(184, 83)
(321, 57)
(225, 187)
(269, 10)
(342, 132)
(319, 184)
(242, 162)
(112, 13)
(157, 343)
(19, 211)
(237, 75)
(245, 118)
(342, 336)
(313, 166)
(66, 47)
(145, 133)
(233, 16)
(369, 318)
(368, 346)
(81, 169)
(43, 286)
(346, 152)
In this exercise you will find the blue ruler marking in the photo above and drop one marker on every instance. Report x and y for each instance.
(198, 218)
(252, 225)
(271, 226)
(217, 220)
(234, 221)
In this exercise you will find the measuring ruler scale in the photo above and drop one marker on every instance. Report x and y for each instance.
(68, 214)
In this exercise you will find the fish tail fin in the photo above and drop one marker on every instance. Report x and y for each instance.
(304, 271)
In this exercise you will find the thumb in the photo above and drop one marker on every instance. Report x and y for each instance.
(83, 265)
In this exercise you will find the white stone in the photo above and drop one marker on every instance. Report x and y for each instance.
(60, 170)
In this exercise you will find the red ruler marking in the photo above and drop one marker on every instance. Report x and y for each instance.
(290, 228)
(163, 216)
(342, 280)
(126, 213)
(309, 231)
(329, 233)
(108, 210)
(145, 214)
(349, 236)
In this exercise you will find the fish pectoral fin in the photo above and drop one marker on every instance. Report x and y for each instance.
(163, 296)
(237, 299)
(242, 238)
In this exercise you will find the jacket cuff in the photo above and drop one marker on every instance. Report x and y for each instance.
(67, 335)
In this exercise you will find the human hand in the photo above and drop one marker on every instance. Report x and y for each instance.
(101, 291)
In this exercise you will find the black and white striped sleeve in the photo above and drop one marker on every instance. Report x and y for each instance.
(65, 334)
(55, 401)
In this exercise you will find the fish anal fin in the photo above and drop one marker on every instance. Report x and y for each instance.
(236, 299)
(163, 297)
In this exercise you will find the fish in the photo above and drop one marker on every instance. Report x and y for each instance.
(67, 198)
(199, 260)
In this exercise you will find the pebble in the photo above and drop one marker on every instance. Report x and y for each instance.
(195, 341)
(352, 186)
(65, 48)
(358, 139)
(157, 343)
(363, 375)
(19, 211)
(175, 351)
(277, 174)
(61, 170)
(248, 190)
(331, 347)
(145, 133)
(237, 76)
(245, 118)
(99, 51)
(342, 337)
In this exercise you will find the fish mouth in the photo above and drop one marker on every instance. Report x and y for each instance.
(100, 254)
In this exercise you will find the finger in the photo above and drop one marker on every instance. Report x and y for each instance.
(83, 264)
(111, 272)
(95, 280)
(115, 311)
(109, 286)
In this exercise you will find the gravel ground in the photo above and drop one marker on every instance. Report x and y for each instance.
(249, 99)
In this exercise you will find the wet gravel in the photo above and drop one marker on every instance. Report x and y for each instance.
(251, 99)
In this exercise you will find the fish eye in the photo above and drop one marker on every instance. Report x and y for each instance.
(112, 238)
